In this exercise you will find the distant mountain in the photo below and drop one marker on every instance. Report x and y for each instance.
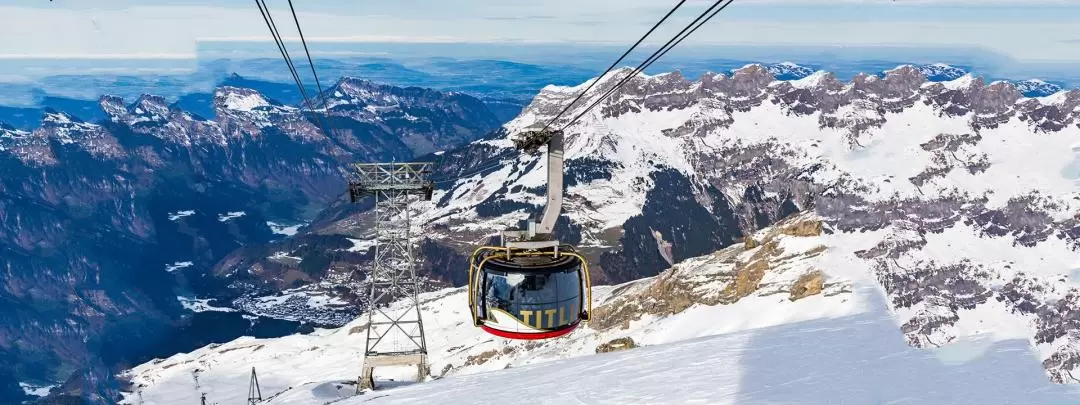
(789, 71)
(112, 226)
(1036, 88)
(507, 85)
(28, 118)
(939, 72)
(511, 83)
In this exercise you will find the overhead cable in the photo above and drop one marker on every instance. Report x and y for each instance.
(583, 92)
(656, 55)
(311, 63)
(265, 11)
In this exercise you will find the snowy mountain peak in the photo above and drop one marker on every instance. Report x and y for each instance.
(602, 82)
(414, 112)
(368, 96)
(152, 106)
(113, 106)
(937, 72)
(355, 87)
(239, 99)
(243, 112)
(152, 114)
(790, 71)
(56, 118)
(964, 82)
(147, 108)
(11, 132)
(910, 72)
(1037, 88)
(815, 80)
(753, 69)
(675, 76)
(32, 148)
(12, 137)
(66, 129)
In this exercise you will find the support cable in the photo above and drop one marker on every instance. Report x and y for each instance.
(613, 64)
(265, 11)
(656, 55)
(311, 63)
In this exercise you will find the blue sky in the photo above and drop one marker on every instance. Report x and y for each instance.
(1028, 30)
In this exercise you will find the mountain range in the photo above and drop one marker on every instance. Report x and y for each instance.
(735, 197)
(111, 227)
(946, 212)
(506, 86)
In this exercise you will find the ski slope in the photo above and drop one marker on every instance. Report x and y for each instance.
(840, 346)
(857, 359)
(854, 359)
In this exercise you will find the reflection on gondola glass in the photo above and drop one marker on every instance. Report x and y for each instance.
(539, 300)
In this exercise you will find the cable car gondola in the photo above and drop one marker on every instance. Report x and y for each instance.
(533, 294)
(532, 287)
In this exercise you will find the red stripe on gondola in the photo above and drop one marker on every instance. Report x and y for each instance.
(528, 336)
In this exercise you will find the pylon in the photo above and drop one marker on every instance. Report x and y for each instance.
(393, 274)
(254, 392)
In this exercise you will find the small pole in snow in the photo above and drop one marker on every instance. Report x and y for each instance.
(254, 391)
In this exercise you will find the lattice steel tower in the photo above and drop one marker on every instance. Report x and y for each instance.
(395, 337)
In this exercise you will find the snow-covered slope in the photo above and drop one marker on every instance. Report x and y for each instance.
(789, 310)
(820, 362)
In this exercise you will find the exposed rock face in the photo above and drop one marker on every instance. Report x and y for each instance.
(725, 277)
(807, 285)
(620, 344)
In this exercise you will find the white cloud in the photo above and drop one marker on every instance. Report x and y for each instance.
(171, 31)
